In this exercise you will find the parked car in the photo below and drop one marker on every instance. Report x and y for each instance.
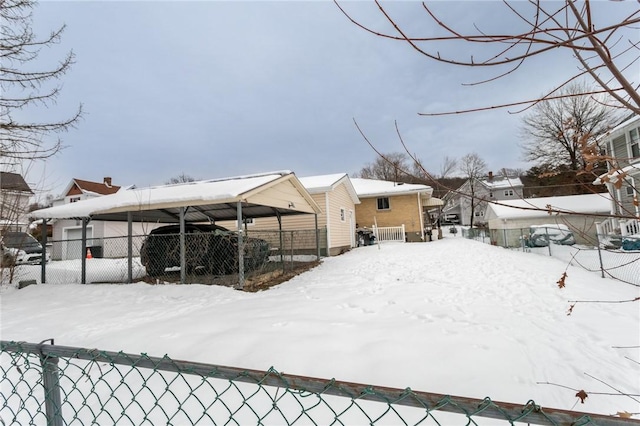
(209, 249)
(21, 248)
(541, 235)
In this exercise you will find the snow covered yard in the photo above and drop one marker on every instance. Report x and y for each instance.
(453, 316)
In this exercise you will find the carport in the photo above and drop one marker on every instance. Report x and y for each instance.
(236, 198)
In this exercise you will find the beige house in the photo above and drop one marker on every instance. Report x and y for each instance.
(391, 204)
(337, 199)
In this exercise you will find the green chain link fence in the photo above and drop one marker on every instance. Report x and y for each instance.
(58, 385)
(611, 262)
(210, 258)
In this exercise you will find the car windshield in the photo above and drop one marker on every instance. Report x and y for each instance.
(17, 239)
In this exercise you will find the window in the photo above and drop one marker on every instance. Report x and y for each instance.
(343, 215)
(248, 221)
(630, 191)
(634, 141)
(383, 203)
(74, 199)
(508, 193)
(478, 214)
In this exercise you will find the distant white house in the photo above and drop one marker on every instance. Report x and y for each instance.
(509, 220)
(486, 189)
(70, 230)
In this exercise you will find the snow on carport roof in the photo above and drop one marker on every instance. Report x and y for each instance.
(266, 194)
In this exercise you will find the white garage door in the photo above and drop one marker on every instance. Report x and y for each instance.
(72, 248)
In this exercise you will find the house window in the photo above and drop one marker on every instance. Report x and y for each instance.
(478, 214)
(630, 191)
(248, 221)
(634, 142)
(74, 199)
(383, 203)
(508, 193)
(343, 215)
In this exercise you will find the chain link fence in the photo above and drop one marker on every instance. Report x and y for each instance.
(59, 385)
(609, 261)
(210, 258)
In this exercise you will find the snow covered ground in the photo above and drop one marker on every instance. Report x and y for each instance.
(452, 316)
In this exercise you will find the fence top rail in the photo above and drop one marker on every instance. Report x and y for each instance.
(511, 412)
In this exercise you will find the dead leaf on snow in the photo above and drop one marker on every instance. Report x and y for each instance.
(582, 395)
(561, 283)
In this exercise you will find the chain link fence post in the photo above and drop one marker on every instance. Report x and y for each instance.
(600, 255)
(51, 384)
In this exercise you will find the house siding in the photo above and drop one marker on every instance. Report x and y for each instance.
(338, 232)
(403, 209)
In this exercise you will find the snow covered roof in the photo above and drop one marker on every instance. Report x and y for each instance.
(539, 207)
(620, 128)
(325, 183)
(501, 182)
(614, 175)
(366, 188)
(262, 195)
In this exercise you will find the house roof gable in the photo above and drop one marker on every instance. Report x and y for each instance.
(13, 182)
(80, 186)
(326, 183)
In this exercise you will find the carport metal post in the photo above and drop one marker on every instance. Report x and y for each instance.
(240, 248)
(318, 240)
(83, 252)
(129, 247)
(43, 259)
(183, 257)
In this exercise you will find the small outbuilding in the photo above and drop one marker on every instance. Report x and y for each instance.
(509, 220)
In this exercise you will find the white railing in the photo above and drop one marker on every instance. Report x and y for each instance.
(612, 226)
(630, 227)
(389, 233)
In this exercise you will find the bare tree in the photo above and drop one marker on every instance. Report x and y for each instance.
(605, 49)
(556, 132)
(23, 87)
(181, 178)
(392, 167)
(473, 168)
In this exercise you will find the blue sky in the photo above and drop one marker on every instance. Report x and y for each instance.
(215, 89)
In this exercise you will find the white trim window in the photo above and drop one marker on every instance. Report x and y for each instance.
(508, 192)
(343, 214)
(634, 143)
(383, 203)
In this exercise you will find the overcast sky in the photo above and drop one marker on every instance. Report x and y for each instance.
(215, 89)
